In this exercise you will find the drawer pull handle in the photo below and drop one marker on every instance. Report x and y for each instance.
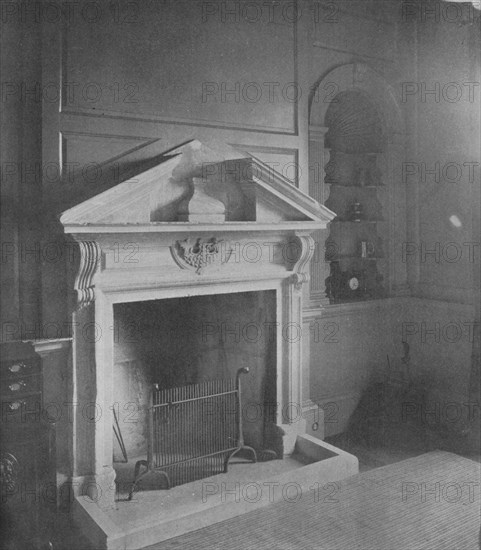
(17, 367)
(15, 405)
(17, 386)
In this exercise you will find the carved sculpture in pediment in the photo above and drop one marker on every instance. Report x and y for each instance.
(201, 207)
(197, 253)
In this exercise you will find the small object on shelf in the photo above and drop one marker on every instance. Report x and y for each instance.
(367, 249)
(341, 168)
(373, 172)
(332, 251)
(345, 285)
(330, 170)
(353, 283)
(357, 212)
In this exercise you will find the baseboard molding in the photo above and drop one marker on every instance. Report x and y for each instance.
(337, 411)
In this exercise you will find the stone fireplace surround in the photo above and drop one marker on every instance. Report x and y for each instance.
(201, 223)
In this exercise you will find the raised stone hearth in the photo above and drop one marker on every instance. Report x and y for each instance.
(199, 224)
(152, 516)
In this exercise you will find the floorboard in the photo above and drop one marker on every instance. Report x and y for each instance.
(429, 502)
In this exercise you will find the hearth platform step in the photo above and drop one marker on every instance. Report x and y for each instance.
(155, 515)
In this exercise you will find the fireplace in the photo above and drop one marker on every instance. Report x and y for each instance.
(193, 341)
(182, 341)
(194, 269)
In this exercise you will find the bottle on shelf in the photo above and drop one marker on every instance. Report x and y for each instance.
(357, 212)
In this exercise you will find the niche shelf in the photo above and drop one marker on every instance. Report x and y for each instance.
(355, 246)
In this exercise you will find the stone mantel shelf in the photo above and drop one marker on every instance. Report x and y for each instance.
(183, 227)
(46, 345)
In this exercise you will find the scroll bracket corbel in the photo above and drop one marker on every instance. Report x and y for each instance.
(306, 246)
(89, 261)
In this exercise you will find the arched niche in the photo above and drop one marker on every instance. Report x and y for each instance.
(360, 78)
(355, 76)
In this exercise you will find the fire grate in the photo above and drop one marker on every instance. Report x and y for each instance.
(194, 431)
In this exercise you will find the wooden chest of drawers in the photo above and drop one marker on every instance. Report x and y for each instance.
(20, 384)
(27, 452)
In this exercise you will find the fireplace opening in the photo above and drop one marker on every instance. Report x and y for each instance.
(196, 342)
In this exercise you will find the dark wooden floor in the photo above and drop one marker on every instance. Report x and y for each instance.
(429, 502)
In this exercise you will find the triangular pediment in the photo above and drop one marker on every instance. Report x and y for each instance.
(198, 184)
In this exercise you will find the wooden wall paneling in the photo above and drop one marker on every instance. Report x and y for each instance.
(153, 68)
(53, 273)
(172, 133)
